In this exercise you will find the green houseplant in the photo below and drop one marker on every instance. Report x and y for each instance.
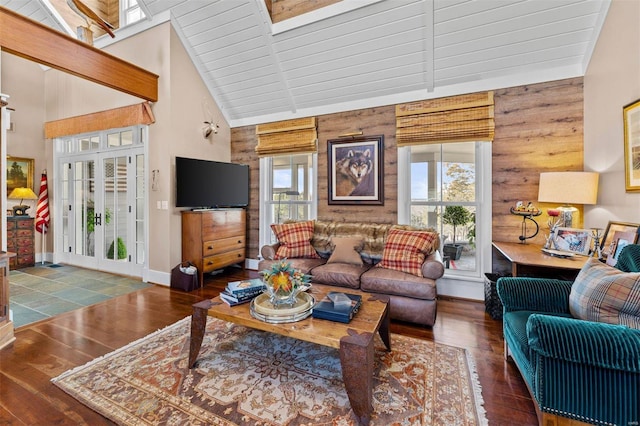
(122, 250)
(455, 216)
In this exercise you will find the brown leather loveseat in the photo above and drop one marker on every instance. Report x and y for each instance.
(399, 261)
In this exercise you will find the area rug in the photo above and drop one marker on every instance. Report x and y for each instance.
(249, 377)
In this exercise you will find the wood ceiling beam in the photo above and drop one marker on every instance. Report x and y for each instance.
(31, 40)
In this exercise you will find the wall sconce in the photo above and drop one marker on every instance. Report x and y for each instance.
(22, 194)
(280, 199)
(209, 128)
(568, 188)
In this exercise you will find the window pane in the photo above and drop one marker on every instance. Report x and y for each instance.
(89, 143)
(458, 169)
(126, 138)
(113, 139)
(426, 164)
(425, 216)
(443, 197)
(291, 192)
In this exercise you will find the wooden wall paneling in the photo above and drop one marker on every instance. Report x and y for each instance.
(538, 128)
(243, 143)
(372, 121)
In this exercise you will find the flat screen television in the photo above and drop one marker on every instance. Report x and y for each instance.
(211, 184)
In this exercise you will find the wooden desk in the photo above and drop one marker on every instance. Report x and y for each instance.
(529, 260)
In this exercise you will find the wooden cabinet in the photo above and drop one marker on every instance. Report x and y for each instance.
(213, 239)
(21, 241)
(6, 325)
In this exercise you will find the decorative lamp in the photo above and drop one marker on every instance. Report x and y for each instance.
(568, 188)
(280, 199)
(22, 194)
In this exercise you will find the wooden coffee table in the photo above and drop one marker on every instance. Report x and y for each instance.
(354, 341)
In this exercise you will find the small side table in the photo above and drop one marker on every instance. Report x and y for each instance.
(21, 241)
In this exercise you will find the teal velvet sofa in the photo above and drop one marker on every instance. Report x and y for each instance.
(584, 370)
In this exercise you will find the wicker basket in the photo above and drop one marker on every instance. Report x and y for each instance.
(492, 303)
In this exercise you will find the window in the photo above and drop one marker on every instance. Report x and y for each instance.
(288, 188)
(444, 188)
(130, 12)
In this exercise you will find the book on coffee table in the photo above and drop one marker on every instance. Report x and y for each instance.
(232, 300)
(327, 309)
(240, 288)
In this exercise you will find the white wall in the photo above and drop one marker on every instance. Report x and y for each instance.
(612, 81)
(23, 81)
(177, 130)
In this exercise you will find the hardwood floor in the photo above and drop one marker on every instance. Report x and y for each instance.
(45, 349)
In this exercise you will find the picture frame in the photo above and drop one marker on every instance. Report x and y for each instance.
(19, 173)
(573, 240)
(611, 229)
(631, 118)
(356, 170)
(618, 242)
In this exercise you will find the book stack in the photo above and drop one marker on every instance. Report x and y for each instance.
(336, 306)
(239, 292)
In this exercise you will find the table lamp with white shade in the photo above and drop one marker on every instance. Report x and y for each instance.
(568, 188)
(22, 194)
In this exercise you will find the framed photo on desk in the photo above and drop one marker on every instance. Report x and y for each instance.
(573, 240)
(610, 231)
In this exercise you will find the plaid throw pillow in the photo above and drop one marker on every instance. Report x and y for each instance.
(405, 250)
(295, 240)
(605, 294)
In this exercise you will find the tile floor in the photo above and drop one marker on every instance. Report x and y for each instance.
(43, 291)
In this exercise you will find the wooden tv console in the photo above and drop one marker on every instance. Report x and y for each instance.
(213, 239)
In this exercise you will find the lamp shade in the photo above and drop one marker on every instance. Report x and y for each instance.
(568, 187)
(23, 194)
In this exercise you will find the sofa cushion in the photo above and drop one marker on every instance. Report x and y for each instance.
(389, 281)
(338, 274)
(295, 240)
(605, 294)
(405, 250)
(346, 250)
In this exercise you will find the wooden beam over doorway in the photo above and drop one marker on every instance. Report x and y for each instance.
(31, 40)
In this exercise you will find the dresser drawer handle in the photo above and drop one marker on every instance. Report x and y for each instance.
(210, 248)
(210, 263)
(239, 241)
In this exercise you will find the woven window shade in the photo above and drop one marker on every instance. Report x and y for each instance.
(453, 119)
(98, 121)
(287, 137)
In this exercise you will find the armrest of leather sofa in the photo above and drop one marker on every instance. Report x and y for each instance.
(585, 342)
(433, 266)
(269, 251)
(534, 294)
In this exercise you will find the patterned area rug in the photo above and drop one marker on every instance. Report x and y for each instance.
(249, 377)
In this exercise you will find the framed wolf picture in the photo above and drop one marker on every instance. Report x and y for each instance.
(355, 170)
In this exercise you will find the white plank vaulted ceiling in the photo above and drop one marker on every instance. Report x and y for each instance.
(365, 53)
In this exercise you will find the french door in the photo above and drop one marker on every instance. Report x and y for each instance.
(102, 210)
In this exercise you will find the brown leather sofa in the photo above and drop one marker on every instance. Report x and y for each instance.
(412, 298)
